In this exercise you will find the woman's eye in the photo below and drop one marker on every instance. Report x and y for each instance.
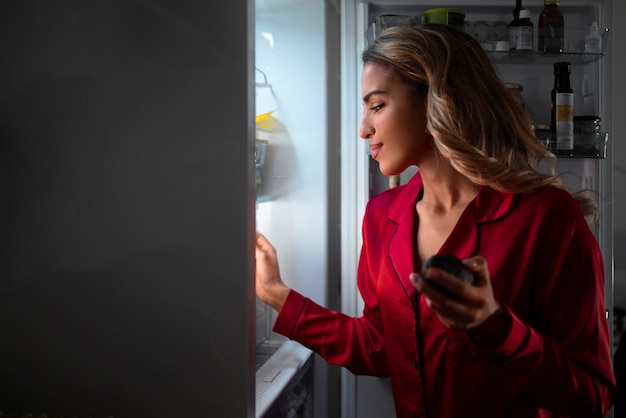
(377, 107)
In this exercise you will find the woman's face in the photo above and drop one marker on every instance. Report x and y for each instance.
(393, 122)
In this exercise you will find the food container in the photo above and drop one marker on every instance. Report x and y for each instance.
(479, 30)
(543, 134)
(587, 124)
(516, 91)
(453, 17)
(591, 145)
(383, 22)
(388, 21)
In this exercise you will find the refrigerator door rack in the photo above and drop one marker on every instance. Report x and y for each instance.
(489, 33)
(585, 146)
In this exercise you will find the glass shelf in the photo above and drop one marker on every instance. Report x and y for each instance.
(585, 146)
(574, 47)
(534, 57)
(488, 33)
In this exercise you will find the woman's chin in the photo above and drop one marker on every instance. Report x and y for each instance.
(388, 171)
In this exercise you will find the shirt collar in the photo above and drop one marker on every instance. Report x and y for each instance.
(490, 204)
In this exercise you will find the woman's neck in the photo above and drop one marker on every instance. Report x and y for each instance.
(445, 189)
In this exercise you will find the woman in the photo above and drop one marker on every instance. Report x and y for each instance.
(529, 337)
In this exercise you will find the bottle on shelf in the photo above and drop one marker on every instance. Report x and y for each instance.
(513, 28)
(551, 28)
(593, 40)
(525, 32)
(562, 117)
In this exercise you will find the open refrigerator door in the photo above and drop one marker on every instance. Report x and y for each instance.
(292, 185)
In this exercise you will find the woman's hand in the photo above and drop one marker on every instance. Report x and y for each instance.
(469, 305)
(269, 286)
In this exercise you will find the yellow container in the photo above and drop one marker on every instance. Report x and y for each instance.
(453, 17)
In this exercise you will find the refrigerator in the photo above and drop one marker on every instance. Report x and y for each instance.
(127, 209)
(142, 145)
(584, 169)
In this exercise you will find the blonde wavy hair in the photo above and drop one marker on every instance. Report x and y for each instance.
(475, 122)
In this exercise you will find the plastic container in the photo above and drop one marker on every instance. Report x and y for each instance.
(383, 22)
(453, 17)
(590, 145)
(388, 21)
(543, 135)
(587, 125)
(517, 90)
(593, 40)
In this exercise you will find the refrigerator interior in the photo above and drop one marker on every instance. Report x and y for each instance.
(590, 80)
(291, 163)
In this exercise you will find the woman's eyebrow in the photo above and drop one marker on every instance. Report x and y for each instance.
(366, 98)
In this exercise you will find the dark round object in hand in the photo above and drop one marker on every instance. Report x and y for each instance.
(450, 263)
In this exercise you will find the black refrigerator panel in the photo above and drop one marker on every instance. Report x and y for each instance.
(126, 209)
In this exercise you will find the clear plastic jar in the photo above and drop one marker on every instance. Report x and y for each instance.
(587, 124)
(516, 90)
(543, 135)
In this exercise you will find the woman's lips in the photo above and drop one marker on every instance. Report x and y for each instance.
(375, 148)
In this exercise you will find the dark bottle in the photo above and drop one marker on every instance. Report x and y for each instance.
(525, 35)
(562, 117)
(513, 29)
(551, 35)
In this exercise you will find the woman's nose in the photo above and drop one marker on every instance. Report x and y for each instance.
(365, 129)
